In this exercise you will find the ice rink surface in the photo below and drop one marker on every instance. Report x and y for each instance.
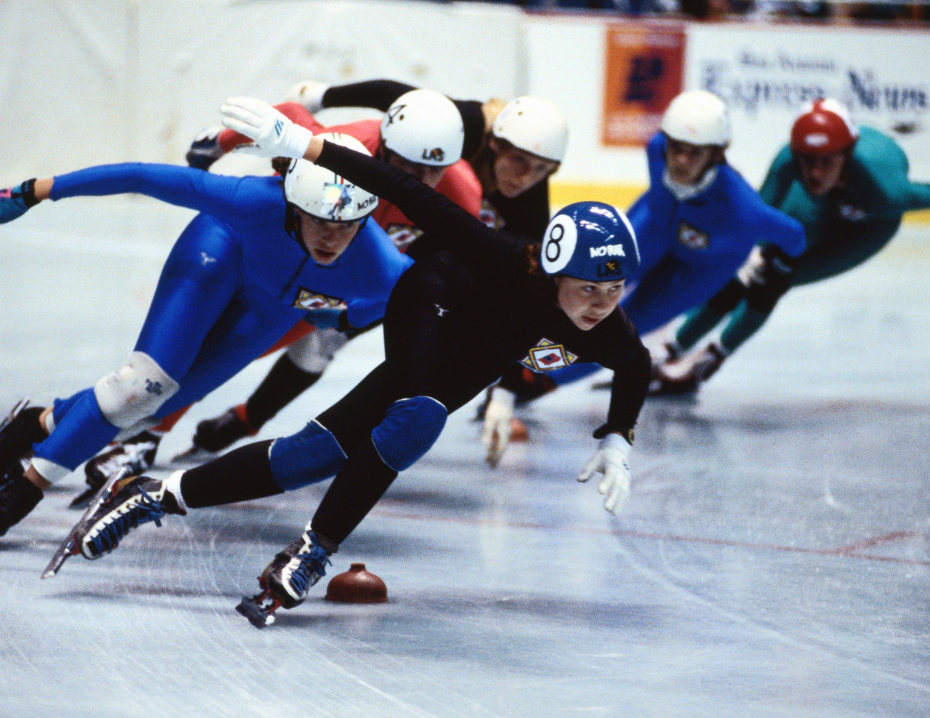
(773, 559)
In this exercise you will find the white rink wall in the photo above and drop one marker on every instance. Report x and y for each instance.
(85, 82)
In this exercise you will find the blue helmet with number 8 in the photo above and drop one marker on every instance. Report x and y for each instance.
(592, 241)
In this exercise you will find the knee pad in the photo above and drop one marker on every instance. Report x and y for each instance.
(314, 352)
(134, 391)
(409, 429)
(312, 454)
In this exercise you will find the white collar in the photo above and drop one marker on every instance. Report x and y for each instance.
(684, 192)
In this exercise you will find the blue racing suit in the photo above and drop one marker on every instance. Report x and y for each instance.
(234, 283)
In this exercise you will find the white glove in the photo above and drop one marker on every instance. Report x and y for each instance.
(497, 416)
(273, 133)
(612, 460)
(309, 94)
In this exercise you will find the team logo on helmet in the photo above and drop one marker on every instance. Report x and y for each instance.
(434, 155)
(309, 300)
(337, 198)
(609, 270)
(691, 237)
(393, 112)
(548, 356)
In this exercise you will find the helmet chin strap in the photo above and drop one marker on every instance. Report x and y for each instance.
(684, 192)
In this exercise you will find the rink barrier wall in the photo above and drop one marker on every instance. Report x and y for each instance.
(120, 80)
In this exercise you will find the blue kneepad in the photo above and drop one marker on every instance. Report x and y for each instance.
(310, 455)
(409, 429)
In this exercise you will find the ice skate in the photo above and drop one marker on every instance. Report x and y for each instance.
(68, 547)
(683, 377)
(126, 503)
(136, 455)
(18, 496)
(205, 149)
(18, 432)
(215, 435)
(287, 580)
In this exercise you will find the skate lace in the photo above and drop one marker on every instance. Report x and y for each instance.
(145, 510)
(310, 569)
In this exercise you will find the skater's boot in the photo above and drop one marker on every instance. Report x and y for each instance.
(18, 497)
(685, 375)
(18, 432)
(136, 455)
(293, 571)
(132, 502)
(205, 149)
(215, 435)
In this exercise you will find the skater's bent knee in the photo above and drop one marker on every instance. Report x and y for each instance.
(409, 429)
(312, 454)
(134, 391)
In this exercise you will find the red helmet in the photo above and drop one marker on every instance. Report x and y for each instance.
(824, 126)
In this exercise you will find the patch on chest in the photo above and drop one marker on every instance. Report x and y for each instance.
(692, 237)
(852, 214)
(489, 215)
(403, 234)
(548, 356)
(309, 300)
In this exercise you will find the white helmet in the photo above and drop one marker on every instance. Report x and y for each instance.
(534, 125)
(325, 195)
(424, 126)
(699, 118)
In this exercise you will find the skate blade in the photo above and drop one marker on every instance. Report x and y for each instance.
(14, 412)
(69, 547)
(256, 611)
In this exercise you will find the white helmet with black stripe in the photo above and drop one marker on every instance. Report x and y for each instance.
(425, 127)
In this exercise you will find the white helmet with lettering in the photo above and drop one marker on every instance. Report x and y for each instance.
(325, 195)
(534, 125)
(699, 118)
(424, 126)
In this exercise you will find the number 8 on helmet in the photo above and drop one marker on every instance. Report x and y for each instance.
(592, 241)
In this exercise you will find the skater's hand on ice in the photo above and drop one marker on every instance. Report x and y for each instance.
(612, 460)
(274, 134)
(16, 201)
(496, 433)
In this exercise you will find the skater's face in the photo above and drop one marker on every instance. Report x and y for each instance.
(587, 303)
(515, 171)
(687, 163)
(821, 173)
(326, 241)
(427, 174)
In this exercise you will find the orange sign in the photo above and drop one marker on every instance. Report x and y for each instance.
(643, 74)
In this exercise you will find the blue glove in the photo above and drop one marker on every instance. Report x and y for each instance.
(15, 201)
(328, 318)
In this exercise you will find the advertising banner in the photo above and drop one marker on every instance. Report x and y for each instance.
(766, 76)
(644, 68)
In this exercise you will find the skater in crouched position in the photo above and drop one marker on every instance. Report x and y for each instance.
(422, 133)
(696, 224)
(264, 254)
(482, 299)
(849, 187)
(512, 147)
